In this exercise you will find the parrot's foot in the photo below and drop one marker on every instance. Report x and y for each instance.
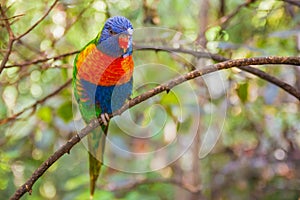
(105, 118)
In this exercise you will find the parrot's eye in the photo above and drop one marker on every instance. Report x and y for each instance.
(111, 32)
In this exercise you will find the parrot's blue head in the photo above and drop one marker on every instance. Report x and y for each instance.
(116, 37)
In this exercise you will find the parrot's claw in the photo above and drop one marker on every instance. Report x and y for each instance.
(168, 90)
(105, 118)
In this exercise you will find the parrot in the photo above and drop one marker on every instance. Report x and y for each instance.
(102, 82)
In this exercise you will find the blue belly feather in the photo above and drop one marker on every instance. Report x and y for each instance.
(108, 98)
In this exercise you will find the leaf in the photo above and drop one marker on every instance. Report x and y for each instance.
(65, 111)
(224, 35)
(212, 33)
(64, 73)
(242, 92)
(3, 109)
(45, 114)
(169, 99)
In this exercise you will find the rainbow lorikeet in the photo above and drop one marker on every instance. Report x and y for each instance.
(102, 81)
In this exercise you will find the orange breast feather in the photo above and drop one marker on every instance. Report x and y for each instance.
(101, 69)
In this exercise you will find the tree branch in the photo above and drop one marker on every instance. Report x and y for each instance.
(285, 86)
(27, 186)
(13, 17)
(38, 21)
(24, 64)
(216, 57)
(11, 39)
(225, 19)
(14, 117)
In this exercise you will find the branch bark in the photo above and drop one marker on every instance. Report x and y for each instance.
(216, 57)
(11, 39)
(27, 186)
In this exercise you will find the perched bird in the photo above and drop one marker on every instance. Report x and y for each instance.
(102, 81)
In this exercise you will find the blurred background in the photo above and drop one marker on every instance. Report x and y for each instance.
(237, 136)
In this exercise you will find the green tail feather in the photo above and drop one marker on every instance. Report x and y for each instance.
(95, 167)
(96, 144)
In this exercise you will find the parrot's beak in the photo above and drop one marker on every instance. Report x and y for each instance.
(124, 41)
(130, 31)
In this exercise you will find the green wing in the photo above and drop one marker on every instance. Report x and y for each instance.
(96, 139)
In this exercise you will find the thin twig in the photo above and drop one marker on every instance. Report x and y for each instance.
(216, 57)
(24, 64)
(71, 23)
(225, 19)
(33, 106)
(27, 186)
(263, 75)
(11, 39)
(13, 17)
(107, 13)
(38, 21)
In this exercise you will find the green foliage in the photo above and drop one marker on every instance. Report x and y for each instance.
(45, 114)
(216, 33)
(65, 111)
(242, 92)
